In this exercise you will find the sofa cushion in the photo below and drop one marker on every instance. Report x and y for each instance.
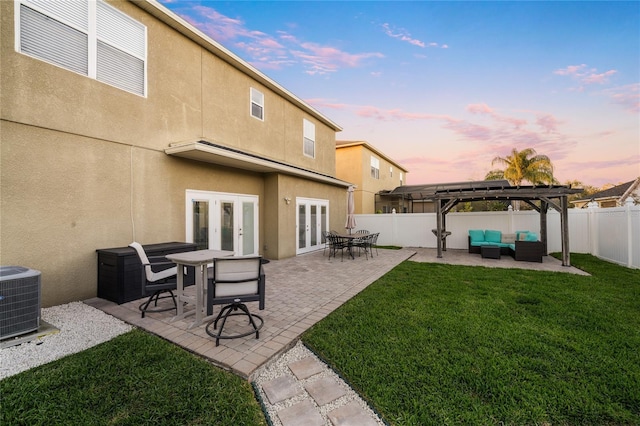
(508, 238)
(522, 236)
(492, 236)
(477, 235)
(518, 233)
(531, 236)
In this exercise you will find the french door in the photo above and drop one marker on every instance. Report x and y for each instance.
(312, 219)
(222, 221)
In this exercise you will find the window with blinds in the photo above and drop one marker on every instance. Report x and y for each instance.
(309, 138)
(257, 104)
(375, 168)
(87, 37)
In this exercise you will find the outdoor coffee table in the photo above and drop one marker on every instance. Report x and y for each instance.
(490, 252)
(198, 259)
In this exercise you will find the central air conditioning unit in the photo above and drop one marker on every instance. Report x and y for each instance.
(19, 301)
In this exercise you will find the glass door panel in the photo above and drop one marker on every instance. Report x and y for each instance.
(314, 228)
(226, 226)
(201, 224)
(247, 231)
(302, 226)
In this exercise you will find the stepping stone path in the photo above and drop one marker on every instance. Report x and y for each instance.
(299, 389)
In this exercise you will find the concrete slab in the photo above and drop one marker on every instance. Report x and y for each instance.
(325, 390)
(282, 388)
(301, 414)
(351, 414)
(306, 368)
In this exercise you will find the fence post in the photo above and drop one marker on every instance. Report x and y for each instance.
(593, 228)
(628, 203)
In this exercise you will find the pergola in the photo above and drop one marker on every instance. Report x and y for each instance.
(446, 196)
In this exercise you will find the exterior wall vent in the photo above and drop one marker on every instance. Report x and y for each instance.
(19, 301)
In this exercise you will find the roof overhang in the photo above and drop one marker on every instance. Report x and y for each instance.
(209, 152)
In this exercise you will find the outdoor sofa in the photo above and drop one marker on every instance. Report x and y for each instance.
(523, 245)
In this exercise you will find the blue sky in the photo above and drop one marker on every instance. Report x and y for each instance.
(444, 87)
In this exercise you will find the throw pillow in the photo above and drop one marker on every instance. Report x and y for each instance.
(508, 238)
(522, 236)
(532, 236)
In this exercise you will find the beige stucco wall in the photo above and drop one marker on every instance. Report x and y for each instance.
(82, 164)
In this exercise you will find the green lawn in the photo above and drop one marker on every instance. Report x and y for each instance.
(440, 344)
(425, 344)
(134, 379)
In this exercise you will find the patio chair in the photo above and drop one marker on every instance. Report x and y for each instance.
(362, 243)
(373, 243)
(336, 243)
(325, 238)
(156, 284)
(234, 281)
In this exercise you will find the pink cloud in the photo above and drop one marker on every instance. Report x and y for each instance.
(585, 75)
(548, 123)
(626, 96)
(268, 52)
(402, 36)
(323, 59)
(485, 109)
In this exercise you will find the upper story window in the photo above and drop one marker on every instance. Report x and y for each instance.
(401, 180)
(375, 167)
(309, 138)
(390, 171)
(257, 104)
(87, 37)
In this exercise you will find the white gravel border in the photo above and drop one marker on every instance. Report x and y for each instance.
(81, 327)
(280, 367)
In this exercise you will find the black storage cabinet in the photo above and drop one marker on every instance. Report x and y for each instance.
(120, 270)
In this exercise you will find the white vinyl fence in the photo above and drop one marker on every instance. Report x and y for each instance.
(612, 234)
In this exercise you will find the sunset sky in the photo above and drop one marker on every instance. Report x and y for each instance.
(444, 87)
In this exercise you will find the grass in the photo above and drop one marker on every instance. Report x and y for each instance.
(425, 344)
(134, 379)
(441, 344)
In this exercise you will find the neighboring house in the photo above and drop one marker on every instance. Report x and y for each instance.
(615, 196)
(120, 122)
(371, 172)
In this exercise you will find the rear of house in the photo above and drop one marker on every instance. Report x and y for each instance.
(122, 122)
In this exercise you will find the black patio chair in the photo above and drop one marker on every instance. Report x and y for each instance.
(156, 284)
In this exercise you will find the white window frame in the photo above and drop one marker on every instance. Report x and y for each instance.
(375, 167)
(401, 179)
(390, 171)
(108, 31)
(309, 138)
(256, 98)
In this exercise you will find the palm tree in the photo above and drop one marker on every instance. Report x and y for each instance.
(525, 165)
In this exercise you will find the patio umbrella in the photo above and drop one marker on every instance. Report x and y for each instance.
(351, 207)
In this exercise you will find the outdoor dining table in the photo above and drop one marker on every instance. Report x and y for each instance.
(352, 237)
(199, 259)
